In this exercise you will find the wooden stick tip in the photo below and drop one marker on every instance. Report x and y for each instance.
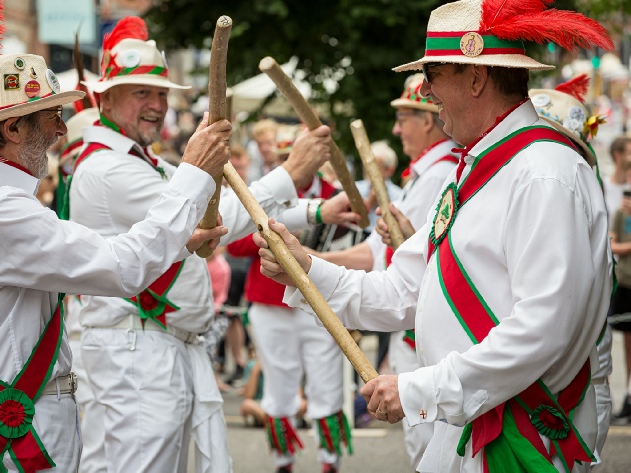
(224, 21)
(358, 124)
(267, 63)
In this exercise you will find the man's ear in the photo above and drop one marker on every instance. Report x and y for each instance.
(10, 130)
(479, 78)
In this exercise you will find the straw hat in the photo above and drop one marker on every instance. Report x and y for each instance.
(491, 33)
(411, 96)
(74, 136)
(29, 86)
(128, 58)
(563, 108)
(285, 138)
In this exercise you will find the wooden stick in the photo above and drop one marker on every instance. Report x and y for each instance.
(270, 67)
(376, 179)
(217, 110)
(299, 277)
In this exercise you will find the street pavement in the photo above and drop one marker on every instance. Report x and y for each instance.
(380, 447)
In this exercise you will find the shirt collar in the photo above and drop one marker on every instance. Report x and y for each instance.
(522, 116)
(14, 177)
(109, 138)
(432, 156)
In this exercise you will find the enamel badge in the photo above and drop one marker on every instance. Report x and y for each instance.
(445, 214)
(471, 44)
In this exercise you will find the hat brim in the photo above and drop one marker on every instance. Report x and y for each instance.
(155, 81)
(501, 60)
(416, 105)
(62, 98)
(589, 156)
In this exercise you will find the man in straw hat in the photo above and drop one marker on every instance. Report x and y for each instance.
(143, 363)
(43, 256)
(514, 261)
(431, 160)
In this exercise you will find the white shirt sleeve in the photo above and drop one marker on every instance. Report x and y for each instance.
(45, 253)
(383, 301)
(275, 192)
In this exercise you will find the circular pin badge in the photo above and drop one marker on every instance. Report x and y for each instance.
(541, 100)
(52, 80)
(445, 214)
(19, 63)
(130, 58)
(32, 88)
(471, 44)
(578, 114)
(164, 59)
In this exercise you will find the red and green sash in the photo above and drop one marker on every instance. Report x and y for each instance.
(510, 433)
(152, 303)
(17, 401)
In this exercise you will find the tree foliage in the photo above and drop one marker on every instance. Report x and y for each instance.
(357, 42)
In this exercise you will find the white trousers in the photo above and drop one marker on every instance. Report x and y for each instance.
(91, 418)
(603, 408)
(290, 345)
(153, 398)
(56, 424)
(403, 359)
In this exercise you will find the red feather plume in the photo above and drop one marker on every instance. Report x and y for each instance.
(2, 27)
(576, 87)
(128, 27)
(529, 20)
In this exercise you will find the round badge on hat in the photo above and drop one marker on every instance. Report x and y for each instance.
(19, 63)
(471, 44)
(130, 58)
(32, 88)
(52, 80)
(541, 100)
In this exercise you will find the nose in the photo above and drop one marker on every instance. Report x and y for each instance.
(62, 129)
(426, 89)
(396, 129)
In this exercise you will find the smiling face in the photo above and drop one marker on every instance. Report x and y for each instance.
(137, 109)
(447, 89)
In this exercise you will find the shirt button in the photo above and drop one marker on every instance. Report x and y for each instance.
(419, 308)
(303, 301)
(286, 203)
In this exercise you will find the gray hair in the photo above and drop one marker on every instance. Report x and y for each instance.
(382, 151)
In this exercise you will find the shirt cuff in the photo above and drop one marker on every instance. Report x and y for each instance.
(417, 394)
(295, 218)
(323, 275)
(283, 186)
(190, 181)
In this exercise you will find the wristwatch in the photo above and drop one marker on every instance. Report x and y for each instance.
(312, 209)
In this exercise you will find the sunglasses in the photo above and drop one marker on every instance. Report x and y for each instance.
(53, 111)
(427, 72)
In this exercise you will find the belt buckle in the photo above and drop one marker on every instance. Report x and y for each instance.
(73, 382)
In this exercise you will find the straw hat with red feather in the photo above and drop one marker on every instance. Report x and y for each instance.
(412, 98)
(492, 33)
(564, 108)
(129, 58)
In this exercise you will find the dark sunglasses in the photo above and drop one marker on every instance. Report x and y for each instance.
(426, 70)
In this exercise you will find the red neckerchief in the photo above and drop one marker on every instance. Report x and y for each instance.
(15, 165)
(465, 151)
(407, 171)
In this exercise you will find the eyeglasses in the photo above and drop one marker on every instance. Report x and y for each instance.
(401, 117)
(50, 111)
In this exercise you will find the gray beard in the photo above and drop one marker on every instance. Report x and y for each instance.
(33, 154)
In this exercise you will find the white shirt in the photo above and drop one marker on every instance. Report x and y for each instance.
(111, 190)
(42, 256)
(534, 242)
(419, 194)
